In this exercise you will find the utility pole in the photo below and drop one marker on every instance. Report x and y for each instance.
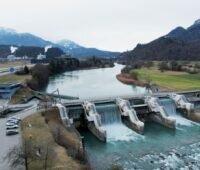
(59, 95)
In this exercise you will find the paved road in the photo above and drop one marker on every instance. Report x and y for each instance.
(8, 142)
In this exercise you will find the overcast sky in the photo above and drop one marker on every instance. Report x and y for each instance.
(106, 24)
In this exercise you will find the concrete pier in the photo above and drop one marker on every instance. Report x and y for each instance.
(159, 114)
(187, 107)
(133, 110)
(129, 116)
(94, 121)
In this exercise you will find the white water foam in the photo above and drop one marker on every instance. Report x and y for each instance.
(181, 121)
(112, 123)
(183, 158)
(119, 132)
(170, 107)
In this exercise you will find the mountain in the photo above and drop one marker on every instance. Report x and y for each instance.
(11, 37)
(178, 44)
(192, 33)
(77, 50)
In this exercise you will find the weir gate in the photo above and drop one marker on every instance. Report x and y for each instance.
(132, 111)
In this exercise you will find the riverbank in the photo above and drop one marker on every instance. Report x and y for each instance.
(128, 80)
(166, 81)
(45, 130)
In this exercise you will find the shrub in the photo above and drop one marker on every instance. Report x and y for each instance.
(163, 66)
(149, 64)
(63, 140)
(40, 77)
(23, 71)
(134, 74)
(26, 70)
(127, 69)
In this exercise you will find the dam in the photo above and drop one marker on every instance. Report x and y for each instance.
(112, 126)
(132, 112)
(157, 137)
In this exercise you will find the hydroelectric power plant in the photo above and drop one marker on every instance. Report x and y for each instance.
(117, 121)
(99, 116)
(128, 126)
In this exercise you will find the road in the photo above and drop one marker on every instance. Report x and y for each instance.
(8, 142)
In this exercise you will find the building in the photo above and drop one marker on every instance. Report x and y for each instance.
(11, 58)
(41, 57)
(9, 89)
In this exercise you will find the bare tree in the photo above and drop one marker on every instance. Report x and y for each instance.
(21, 155)
(47, 156)
(26, 153)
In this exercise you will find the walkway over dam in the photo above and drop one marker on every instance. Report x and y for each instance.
(133, 111)
(190, 95)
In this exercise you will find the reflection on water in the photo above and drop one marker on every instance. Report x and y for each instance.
(93, 83)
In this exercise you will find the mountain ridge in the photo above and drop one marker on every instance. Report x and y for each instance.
(11, 37)
(179, 44)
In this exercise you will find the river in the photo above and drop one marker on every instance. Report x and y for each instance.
(158, 148)
(94, 83)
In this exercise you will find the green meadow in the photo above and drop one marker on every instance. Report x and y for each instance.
(171, 80)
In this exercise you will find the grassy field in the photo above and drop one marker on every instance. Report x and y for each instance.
(13, 78)
(13, 64)
(171, 80)
(41, 136)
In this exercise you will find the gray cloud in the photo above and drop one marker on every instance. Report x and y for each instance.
(107, 24)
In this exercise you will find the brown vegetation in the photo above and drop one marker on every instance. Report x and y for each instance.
(35, 127)
(127, 79)
(21, 95)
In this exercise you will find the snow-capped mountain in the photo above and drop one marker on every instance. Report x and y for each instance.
(197, 22)
(68, 44)
(7, 30)
(77, 50)
(11, 37)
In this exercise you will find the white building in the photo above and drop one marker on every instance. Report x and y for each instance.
(11, 58)
(41, 56)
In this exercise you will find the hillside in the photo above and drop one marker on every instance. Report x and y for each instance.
(179, 44)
